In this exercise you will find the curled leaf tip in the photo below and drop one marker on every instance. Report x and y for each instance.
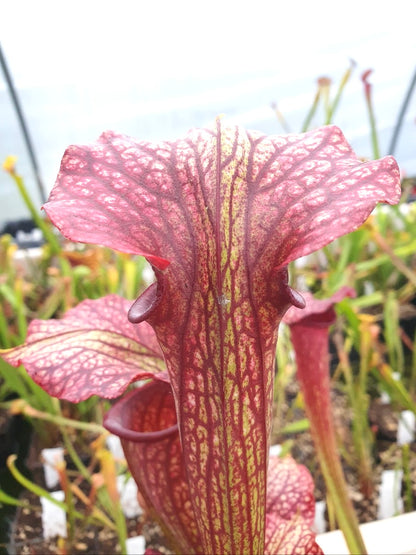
(317, 312)
(297, 299)
(366, 74)
(365, 79)
(145, 304)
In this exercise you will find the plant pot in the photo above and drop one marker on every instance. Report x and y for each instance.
(395, 536)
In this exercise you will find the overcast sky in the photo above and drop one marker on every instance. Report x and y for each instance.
(46, 41)
(153, 69)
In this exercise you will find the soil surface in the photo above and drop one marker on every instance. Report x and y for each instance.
(27, 536)
(26, 532)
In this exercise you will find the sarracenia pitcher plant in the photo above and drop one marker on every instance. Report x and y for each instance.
(310, 338)
(219, 215)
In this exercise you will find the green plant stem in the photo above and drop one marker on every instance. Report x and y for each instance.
(96, 514)
(314, 379)
(363, 438)
(69, 501)
(119, 519)
(280, 118)
(82, 469)
(401, 251)
(21, 308)
(346, 517)
(22, 407)
(297, 427)
(48, 234)
(398, 262)
(34, 488)
(412, 387)
(392, 332)
(356, 392)
(5, 336)
(121, 528)
(337, 488)
(396, 388)
(407, 479)
(332, 108)
(9, 500)
(373, 125)
(312, 111)
(374, 136)
(326, 448)
(109, 472)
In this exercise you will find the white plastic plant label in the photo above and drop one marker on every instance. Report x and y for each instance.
(53, 517)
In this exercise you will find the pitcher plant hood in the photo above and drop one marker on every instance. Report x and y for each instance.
(219, 214)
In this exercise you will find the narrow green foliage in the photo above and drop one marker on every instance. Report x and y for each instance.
(47, 286)
(407, 478)
(34, 488)
(356, 385)
(412, 381)
(323, 96)
(6, 499)
(296, 427)
(48, 234)
(392, 333)
(335, 103)
(310, 115)
(395, 388)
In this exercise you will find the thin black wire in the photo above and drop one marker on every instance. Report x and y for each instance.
(402, 113)
(23, 126)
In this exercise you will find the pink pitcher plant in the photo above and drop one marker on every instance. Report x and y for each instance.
(219, 215)
(310, 338)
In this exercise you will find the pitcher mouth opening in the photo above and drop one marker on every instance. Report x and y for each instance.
(145, 414)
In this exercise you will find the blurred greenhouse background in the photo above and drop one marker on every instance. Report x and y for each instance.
(155, 69)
